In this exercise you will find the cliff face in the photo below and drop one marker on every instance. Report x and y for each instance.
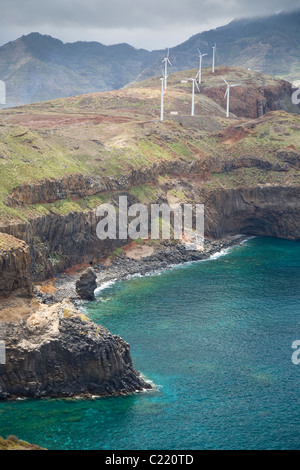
(59, 352)
(14, 266)
(58, 241)
(62, 159)
(254, 101)
(262, 211)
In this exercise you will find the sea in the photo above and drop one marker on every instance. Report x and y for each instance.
(215, 338)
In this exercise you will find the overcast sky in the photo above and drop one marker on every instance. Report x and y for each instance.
(150, 24)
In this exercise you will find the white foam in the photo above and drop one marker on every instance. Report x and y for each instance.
(218, 254)
(105, 285)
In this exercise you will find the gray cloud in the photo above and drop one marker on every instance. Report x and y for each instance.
(143, 23)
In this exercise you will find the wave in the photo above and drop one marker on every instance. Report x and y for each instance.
(154, 386)
(105, 285)
(183, 264)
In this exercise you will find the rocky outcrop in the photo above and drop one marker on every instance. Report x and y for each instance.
(272, 211)
(255, 101)
(86, 285)
(77, 186)
(58, 352)
(14, 266)
(59, 241)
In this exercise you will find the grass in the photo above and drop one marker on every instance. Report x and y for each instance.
(179, 194)
(13, 443)
(129, 138)
(144, 193)
(116, 252)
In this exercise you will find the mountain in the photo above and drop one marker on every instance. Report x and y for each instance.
(37, 67)
(269, 45)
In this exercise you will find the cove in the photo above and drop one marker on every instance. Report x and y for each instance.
(215, 339)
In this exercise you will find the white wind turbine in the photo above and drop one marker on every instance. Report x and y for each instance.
(166, 60)
(227, 93)
(194, 80)
(213, 58)
(200, 66)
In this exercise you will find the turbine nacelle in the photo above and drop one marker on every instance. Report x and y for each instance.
(194, 81)
(166, 60)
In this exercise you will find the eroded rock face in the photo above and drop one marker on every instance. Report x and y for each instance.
(257, 100)
(58, 352)
(86, 285)
(14, 266)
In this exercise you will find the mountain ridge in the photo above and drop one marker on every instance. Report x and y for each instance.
(39, 67)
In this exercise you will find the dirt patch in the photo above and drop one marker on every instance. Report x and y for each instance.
(138, 252)
(75, 270)
(38, 121)
(48, 287)
(232, 135)
(13, 309)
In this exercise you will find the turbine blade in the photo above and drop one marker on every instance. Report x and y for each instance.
(204, 55)
(226, 93)
(225, 81)
(170, 63)
(197, 86)
(238, 84)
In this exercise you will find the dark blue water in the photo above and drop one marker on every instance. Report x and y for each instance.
(215, 337)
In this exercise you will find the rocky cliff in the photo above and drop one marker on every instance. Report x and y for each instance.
(58, 351)
(56, 242)
(62, 159)
(14, 266)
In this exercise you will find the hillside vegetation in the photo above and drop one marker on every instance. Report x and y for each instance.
(106, 136)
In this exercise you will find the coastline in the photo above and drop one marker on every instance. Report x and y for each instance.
(46, 335)
(164, 255)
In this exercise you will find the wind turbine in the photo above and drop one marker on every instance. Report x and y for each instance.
(228, 93)
(200, 66)
(166, 60)
(162, 99)
(194, 80)
(213, 58)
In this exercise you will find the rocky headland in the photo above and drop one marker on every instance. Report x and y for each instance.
(59, 352)
(60, 160)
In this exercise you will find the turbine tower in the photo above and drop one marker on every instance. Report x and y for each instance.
(200, 66)
(194, 81)
(166, 60)
(162, 99)
(228, 94)
(213, 58)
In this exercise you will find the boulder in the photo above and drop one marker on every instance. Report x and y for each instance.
(86, 285)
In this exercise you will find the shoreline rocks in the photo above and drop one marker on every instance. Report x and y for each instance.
(59, 352)
(164, 256)
(86, 285)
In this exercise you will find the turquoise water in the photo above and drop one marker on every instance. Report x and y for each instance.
(215, 338)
